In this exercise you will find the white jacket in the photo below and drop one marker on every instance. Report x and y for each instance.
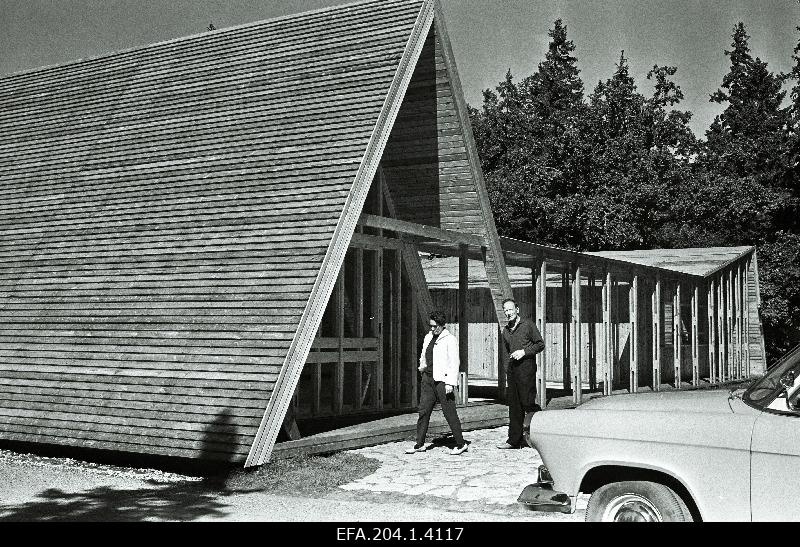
(445, 358)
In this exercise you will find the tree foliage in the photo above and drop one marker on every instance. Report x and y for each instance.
(621, 169)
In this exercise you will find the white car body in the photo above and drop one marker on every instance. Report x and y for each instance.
(735, 462)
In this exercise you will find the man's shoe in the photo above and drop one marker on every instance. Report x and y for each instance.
(459, 449)
(418, 448)
(506, 446)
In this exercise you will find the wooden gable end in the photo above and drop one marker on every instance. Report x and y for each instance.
(431, 163)
(168, 214)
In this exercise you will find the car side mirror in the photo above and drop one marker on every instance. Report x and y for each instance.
(787, 382)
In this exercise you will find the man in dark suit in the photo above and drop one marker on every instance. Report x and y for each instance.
(522, 341)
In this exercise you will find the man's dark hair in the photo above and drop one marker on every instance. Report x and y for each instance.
(510, 300)
(439, 317)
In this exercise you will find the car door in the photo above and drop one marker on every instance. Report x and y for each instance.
(775, 466)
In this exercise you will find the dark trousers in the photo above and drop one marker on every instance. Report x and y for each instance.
(521, 398)
(430, 393)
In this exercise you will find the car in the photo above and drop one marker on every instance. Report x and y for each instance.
(689, 455)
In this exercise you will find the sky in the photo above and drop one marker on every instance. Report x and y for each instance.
(488, 37)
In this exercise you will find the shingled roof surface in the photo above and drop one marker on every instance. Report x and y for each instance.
(165, 214)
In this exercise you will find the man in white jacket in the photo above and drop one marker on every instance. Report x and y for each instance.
(439, 365)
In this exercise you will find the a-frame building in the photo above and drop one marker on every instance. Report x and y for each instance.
(195, 235)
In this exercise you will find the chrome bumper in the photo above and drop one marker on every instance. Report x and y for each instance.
(541, 497)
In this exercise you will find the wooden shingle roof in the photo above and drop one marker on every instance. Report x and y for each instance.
(168, 216)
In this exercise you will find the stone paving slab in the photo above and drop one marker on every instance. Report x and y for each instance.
(483, 478)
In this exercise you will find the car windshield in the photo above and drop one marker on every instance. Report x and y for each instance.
(764, 391)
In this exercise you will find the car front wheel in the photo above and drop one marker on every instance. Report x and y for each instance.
(636, 501)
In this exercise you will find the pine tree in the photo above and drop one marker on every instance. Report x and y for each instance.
(743, 139)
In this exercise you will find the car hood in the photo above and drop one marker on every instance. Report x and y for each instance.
(700, 401)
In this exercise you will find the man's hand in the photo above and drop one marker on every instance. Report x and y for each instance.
(519, 354)
(449, 390)
(422, 368)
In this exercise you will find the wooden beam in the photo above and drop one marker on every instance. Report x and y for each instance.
(657, 333)
(712, 333)
(416, 277)
(577, 348)
(463, 319)
(633, 383)
(419, 230)
(695, 334)
(677, 346)
(375, 243)
(541, 324)
(316, 385)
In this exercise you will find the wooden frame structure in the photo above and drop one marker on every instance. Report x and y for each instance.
(649, 325)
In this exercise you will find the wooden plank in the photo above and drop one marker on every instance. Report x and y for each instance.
(377, 325)
(740, 373)
(413, 339)
(592, 333)
(633, 383)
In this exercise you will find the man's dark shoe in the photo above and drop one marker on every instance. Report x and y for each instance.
(506, 446)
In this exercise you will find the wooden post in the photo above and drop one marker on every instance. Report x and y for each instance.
(568, 331)
(746, 311)
(541, 323)
(739, 322)
(338, 391)
(377, 303)
(721, 331)
(591, 332)
(731, 374)
(608, 343)
(414, 341)
(677, 349)
(712, 333)
(316, 383)
(633, 380)
(695, 333)
(463, 323)
(359, 323)
(577, 347)
(397, 326)
(656, 307)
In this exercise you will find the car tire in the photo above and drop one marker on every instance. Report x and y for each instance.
(636, 501)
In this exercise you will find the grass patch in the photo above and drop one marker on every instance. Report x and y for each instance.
(307, 475)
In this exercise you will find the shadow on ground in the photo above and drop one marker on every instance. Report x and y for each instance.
(176, 502)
